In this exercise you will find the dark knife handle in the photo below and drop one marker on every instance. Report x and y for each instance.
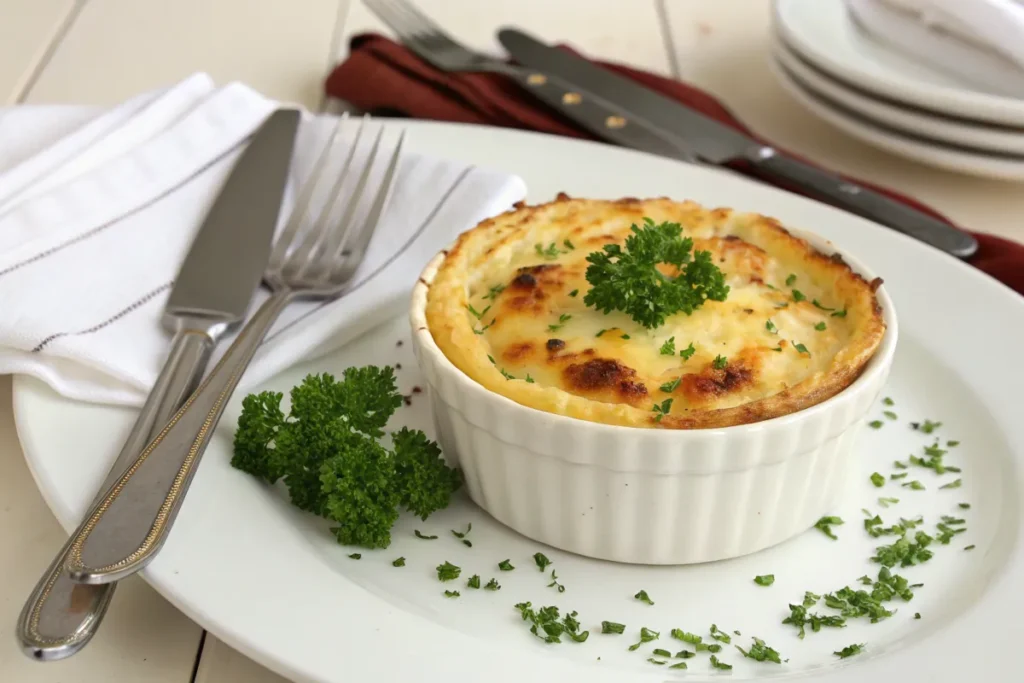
(863, 202)
(602, 118)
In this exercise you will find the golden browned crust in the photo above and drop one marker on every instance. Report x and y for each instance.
(528, 317)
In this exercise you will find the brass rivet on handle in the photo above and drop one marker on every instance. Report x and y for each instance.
(615, 122)
(571, 98)
(536, 79)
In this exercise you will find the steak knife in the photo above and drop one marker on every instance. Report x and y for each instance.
(211, 294)
(718, 144)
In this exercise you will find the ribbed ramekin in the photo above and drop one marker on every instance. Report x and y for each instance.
(648, 496)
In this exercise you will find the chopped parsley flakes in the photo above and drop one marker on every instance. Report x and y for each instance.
(547, 626)
(612, 627)
(798, 296)
(765, 579)
(849, 651)
(400, 562)
(643, 597)
(554, 582)
(720, 635)
(355, 556)
(955, 484)
(505, 566)
(875, 424)
(562, 320)
(791, 279)
(718, 664)
(688, 352)
(646, 636)
(669, 347)
(770, 326)
(877, 479)
(800, 348)
(662, 409)
(669, 387)
(760, 652)
(550, 254)
(451, 594)
(448, 571)
(474, 581)
(425, 538)
(891, 415)
(493, 585)
(825, 526)
(720, 362)
(820, 327)
(819, 305)
(541, 560)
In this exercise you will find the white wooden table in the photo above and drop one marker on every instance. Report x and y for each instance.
(102, 51)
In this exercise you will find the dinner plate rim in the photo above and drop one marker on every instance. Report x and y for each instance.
(930, 152)
(277, 647)
(944, 130)
(981, 107)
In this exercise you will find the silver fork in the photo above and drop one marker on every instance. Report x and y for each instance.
(314, 258)
(601, 117)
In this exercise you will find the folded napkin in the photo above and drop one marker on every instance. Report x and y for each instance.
(98, 208)
(382, 76)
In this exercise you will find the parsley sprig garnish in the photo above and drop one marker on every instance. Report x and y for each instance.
(327, 451)
(626, 278)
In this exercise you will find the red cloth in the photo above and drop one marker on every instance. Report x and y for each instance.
(383, 77)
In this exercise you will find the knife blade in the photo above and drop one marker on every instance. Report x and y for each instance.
(717, 143)
(212, 292)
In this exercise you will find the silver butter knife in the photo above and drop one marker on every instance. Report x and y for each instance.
(719, 144)
(211, 294)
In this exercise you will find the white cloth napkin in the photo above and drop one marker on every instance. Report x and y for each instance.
(98, 208)
(978, 42)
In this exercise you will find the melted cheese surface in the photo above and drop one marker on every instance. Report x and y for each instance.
(795, 325)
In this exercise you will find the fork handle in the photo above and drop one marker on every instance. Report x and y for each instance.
(60, 616)
(128, 525)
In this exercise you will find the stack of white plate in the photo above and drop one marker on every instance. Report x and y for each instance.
(963, 112)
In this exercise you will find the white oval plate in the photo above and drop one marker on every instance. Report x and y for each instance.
(917, 122)
(826, 35)
(933, 153)
(271, 582)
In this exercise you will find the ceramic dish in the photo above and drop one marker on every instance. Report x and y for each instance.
(917, 122)
(648, 496)
(956, 159)
(311, 613)
(826, 35)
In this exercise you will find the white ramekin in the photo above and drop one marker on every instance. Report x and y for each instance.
(648, 496)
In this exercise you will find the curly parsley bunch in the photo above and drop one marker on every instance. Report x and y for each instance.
(628, 280)
(328, 453)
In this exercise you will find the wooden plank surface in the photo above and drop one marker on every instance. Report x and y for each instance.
(118, 48)
(28, 29)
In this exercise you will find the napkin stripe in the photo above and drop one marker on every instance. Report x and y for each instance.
(459, 180)
(135, 305)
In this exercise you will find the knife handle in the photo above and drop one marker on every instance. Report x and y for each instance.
(126, 528)
(602, 118)
(60, 616)
(863, 201)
